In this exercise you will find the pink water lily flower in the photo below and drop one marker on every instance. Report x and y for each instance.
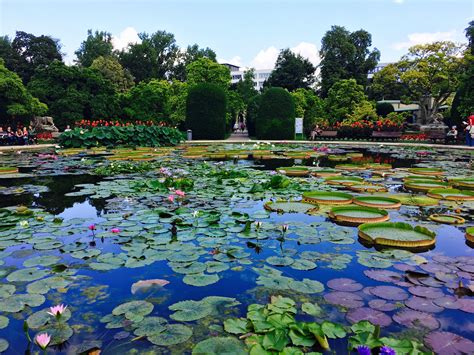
(180, 193)
(57, 311)
(92, 227)
(43, 340)
(115, 230)
(170, 198)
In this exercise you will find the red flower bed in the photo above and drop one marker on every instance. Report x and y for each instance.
(44, 135)
(106, 123)
(414, 137)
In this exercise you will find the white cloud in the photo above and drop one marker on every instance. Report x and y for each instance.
(266, 58)
(425, 37)
(237, 60)
(127, 36)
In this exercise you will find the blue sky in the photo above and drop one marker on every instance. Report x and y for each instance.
(246, 32)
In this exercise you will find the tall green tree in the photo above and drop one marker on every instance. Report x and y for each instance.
(191, 54)
(245, 87)
(291, 72)
(343, 97)
(34, 52)
(276, 115)
(153, 58)
(204, 70)
(346, 55)
(73, 93)
(9, 56)
(97, 44)
(111, 69)
(15, 100)
(385, 86)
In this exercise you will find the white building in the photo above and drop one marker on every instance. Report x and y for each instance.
(237, 74)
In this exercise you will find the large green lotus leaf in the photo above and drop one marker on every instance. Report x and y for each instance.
(44, 260)
(200, 280)
(280, 260)
(172, 335)
(4, 322)
(290, 206)
(41, 318)
(59, 332)
(216, 266)
(236, 325)
(3, 345)
(219, 346)
(150, 326)
(27, 275)
(187, 311)
(311, 309)
(7, 290)
(134, 310)
(45, 285)
(303, 264)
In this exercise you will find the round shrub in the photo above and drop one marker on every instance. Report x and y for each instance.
(206, 111)
(384, 108)
(276, 115)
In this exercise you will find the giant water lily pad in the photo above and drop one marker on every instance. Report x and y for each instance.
(447, 218)
(290, 207)
(173, 334)
(355, 215)
(451, 194)
(397, 234)
(377, 202)
(218, 346)
(344, 180)
(328, 197)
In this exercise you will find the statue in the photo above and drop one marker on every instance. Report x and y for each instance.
(437, 119)
(44, 125)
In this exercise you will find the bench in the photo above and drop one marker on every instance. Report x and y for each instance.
(327, 134)
(437, 136)
(386, 135)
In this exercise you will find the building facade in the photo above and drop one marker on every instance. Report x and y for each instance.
(237, 74)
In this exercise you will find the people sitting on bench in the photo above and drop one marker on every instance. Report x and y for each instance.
(452, 135)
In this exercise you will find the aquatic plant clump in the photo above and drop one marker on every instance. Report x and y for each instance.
(355, 215)
(294, 171)
(397, 234)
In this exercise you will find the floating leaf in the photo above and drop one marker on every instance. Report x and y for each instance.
(134, 310)
(344, 299)
(218, 346)
(200, 280)
(368, 314)
(236, 325)
(172, 335)
(344, 284)
(449, 343)
(416, 319)
(187, 311)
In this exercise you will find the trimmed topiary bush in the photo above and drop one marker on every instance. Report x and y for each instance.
(276, 115)
(206, 111)
(384, 108)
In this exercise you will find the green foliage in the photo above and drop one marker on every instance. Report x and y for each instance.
(245, 87)
(364, 111)
(148, 101)
(132, 136)
(346, 55)
(205, 70)
(386, 86)
(343, 97)
(292, 71)
(183, 184)
(153, 58)
(96, 45)
(73, 93)
(206, 111)
(111, 70)
(316, 114)
(276, 115)
(177, 103)
(304, 99)
(15, 100)
(384, 108)
(252, 113)
(191, 54)
(123, 167)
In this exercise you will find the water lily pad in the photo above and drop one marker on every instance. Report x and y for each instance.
(449, 302)
(449, 343)
(368, 314)
(150, 326)
(41, 318)
(423, 305)
(426, 292)
(236, 325)
(27, 275)
(344, 284)
(280, 260)
(187, 311)
(172, 335)
(218, 346)
(382, 305)
(390, 293)
(303, 264)
(290, 207)
(383, 275)
(44, 260)
(416, 319)
(134, 310)
(4, 322)
(467, 305)
(3, 345)
(344, 299)
(200, 280)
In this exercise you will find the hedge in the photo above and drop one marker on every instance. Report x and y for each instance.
(130, 136)
(384, 108)
(206, 111)
(276, 115)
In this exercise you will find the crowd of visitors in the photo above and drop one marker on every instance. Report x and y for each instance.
(18, 136)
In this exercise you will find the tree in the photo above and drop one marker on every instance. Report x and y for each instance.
(149, 101)
(97, 44)
(73, 93)
(15, 100)
(34, 53)
(245, 87)
(111, 70)
(191, 54)
(431, 73)
(179, 94)
(276, 115)
(153, 58)
(9, 56)
(206, 107)
(315, 114)
(343, 97)
(304, 99)
(385, 86)
(205, 70)
(346, 55)
(291, 72)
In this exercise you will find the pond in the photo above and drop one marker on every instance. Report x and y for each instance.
(238, 248)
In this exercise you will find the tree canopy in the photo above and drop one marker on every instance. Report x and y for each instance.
(111, 70)
(291, 72)
(205, 70)
(346, 55)
(343, 97)
(191, 54)
(97, 44)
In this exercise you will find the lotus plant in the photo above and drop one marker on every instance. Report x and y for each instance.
(92, 228)
(386, 350)
(115, 230)
(363, 350)
(43, 340)
(57, 311)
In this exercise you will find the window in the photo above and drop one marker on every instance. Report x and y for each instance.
(237, 77)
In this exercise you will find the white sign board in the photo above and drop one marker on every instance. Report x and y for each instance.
(299, 125)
